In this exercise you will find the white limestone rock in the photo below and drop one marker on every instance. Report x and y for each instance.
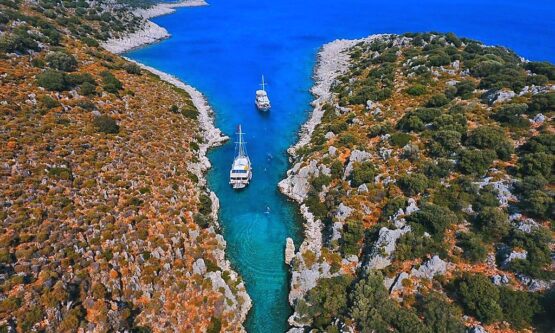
(199, 267)
(289, 250)
(431, 268)
(383, 248)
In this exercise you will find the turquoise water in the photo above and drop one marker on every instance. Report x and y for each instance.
(223, 49)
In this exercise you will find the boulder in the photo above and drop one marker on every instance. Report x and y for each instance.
(500, 279)
(383, 248)
(431, 268)
(199, 267)
(289, 250)
(362, 189)
(477, 329)
(343, 212)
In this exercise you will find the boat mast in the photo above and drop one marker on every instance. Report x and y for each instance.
(263, 83)
(240, 143)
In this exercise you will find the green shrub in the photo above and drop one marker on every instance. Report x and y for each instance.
(353, 232)
(536, 164)
(49, 102)
(111, 83)
(328, 300)
(538, 259)
(61, 61)
(519, 307)
(479, 297)
(205, 204)
(542, 103)
(475, 161)
(437, 101)
(543, 68)
(441, 315)
(362, 173)
(413, 184)
(486, 137)
(90, 41)
(392, 206)
(106, 124)
(542, 143)
(538, 204)
(400, 139)
(445, 143)
(439, 59)
(52, 80)
(493, 223)
(87, 89)
(473, 247)
(416, 90)
(19, 41)
(436, 219)
(511, 114)
(132, 68)
(465, 88)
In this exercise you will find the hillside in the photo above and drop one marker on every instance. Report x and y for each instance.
(425, 176)
(106, 221)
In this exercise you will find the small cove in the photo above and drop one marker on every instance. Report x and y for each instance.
(222, 50)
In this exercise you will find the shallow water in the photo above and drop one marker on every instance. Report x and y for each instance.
(222, 50)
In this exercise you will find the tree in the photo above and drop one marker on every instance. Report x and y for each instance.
(434, 218)
(519, 307)
(368, 298)
(437, 101)
(465, 88)
(440, 315)
(536, 164)
(542, 103)
(493, 223)
(106, 124)
(52, 80)
(362, 173)
(475, 161)
(538, 203)
(473, 247)
(111, 83)
(511, 114)
(328, 300)
(416, 90)
(486, 137)
(61, 61)
(479, 297)
(413, 184)
(446, 142)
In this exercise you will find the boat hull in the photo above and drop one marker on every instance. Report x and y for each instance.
(263, 108)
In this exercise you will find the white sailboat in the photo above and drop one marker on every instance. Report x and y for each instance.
(241, 172)
(262, 101)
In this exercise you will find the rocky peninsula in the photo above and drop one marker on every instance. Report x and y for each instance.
(400, 123)
(148, 32)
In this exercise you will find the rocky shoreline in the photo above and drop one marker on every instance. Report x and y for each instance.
(213, 137)
(332, 62)
(150, 32)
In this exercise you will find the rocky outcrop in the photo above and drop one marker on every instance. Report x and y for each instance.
(430, 268)
(289, 250)
(380, 255)
(149, 32)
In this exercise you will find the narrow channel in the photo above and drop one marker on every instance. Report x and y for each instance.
(224, 48)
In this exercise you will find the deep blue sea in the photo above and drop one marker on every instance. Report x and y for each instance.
(223, 49)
